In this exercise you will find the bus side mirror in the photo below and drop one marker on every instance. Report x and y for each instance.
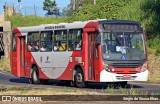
(98, 40)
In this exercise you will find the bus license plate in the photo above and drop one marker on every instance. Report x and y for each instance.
(126, 76)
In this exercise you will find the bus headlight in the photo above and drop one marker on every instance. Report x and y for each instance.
(106, 67)
(144, 67)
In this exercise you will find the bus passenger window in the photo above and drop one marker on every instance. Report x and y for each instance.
(78, 46)
(36, 46)
(56, 46)
(33, 41)
(29, 46)
(46, 41)
(70, 45)
(60, 40)
(75, 39)
(43, 48)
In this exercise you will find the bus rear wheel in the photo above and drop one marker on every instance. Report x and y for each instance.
(79, 79)
(35, 76)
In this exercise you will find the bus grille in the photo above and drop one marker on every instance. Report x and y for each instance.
(126, 65)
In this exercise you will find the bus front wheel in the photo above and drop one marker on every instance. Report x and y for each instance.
(35, 76)
(79, 78)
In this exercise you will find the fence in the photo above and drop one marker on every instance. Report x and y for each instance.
(1, 45)
(34, 10)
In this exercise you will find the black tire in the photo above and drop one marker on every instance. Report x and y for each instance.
(79, 79)
(120, 84)
(35, 76)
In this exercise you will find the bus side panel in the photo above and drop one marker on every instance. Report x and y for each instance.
(29, 62)
(68, 73)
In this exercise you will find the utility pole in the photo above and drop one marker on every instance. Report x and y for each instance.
(19, 6)
(5, 11)
(35, 10)
(74, 4)
(94, 2)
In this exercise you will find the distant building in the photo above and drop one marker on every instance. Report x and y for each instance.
(2, 17)
(9, 10)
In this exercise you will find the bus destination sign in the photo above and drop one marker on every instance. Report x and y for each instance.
(55, 27)
(130, 27)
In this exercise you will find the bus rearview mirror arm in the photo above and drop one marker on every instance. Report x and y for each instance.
(98, 40)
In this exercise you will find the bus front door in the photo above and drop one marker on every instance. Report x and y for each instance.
(13, 55)
(91, 54)
(22, 56)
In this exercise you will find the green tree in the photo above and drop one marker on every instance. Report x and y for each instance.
(50, 6)
(75, 5)
(151, 17)
(103, 9)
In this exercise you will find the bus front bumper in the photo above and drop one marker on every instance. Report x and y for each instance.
(106, 76)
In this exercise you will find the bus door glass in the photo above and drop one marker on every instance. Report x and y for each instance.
(14, 54)
(91, 54)
(22, 56)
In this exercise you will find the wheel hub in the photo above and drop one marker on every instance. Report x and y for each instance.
(79, 77)
(34, 75)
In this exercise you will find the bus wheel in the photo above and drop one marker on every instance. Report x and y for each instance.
(34, 76)
(120, 84)
(79, 79)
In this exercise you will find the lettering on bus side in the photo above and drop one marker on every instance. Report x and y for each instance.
(55, 27)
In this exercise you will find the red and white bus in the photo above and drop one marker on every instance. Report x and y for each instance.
(89, 51)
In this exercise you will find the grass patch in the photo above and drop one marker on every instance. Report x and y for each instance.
(154, 68)
(127, 91)
(23, 21)
(9, 90)
(123, 91)
(5, 64)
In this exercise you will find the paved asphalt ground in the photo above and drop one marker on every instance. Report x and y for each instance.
(149, 88)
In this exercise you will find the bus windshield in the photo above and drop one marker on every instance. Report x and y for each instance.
(123, 46)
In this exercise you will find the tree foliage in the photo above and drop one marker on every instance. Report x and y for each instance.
(49, 5)
(107, 9)
(147, 12)
(151, 17)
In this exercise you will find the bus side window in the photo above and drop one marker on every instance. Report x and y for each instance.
(46, 41)
(33, 41)
(60, 40)
(75, 39)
